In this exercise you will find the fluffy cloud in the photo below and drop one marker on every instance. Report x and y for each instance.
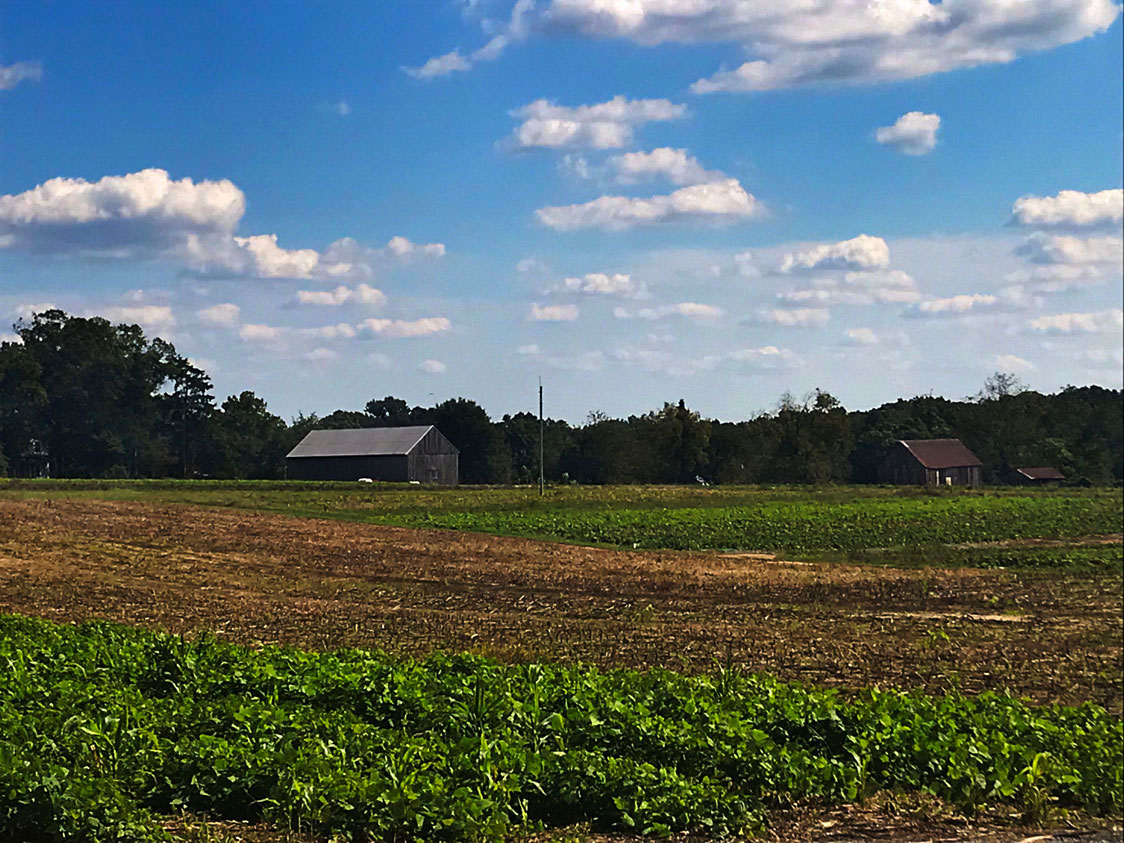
(801, 317)
(914, 133)
(432, 367)
(862, 252)
(1043, 248)
(225, 315)
(719, 201)
(340, 331)
(1070, 209)
(554, 313)
(688, 309)
(403, 247)
(396, 328)
(144, 213)
(1078, 323)
(606, 125)
(361, 294)
(954, 305)
(260, 333)
(150, 317)
(861, 336)
(22, 71)
(844, 41)
(808, 43)
(858, 288)
(1012, 363)
(147, 215)
(676, 165)
(320, 355)
(601, 284)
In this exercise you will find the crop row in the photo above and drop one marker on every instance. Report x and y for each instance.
(103, 728)
(806, 526)
(1100, 557)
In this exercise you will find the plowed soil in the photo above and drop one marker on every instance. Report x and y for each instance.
(263, 579)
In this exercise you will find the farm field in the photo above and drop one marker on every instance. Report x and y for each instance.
(793, 519)
(1027, 601)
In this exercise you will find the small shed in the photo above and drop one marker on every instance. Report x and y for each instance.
(419, 454)
(930, 462)
(1034, 476)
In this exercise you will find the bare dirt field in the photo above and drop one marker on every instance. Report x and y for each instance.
(263, 579)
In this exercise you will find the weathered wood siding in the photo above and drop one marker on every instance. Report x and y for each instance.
(434, 460)
(901, 468)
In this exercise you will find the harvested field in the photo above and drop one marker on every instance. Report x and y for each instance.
(321, 584)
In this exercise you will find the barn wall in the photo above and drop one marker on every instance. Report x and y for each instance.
(390, 469)
(434, 460)
(902, 468)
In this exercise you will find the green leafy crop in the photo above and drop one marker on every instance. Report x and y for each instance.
(103, 728)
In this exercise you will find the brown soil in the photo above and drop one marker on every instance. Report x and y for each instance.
(262, 579)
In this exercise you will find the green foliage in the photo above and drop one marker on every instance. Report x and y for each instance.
(103, 727)
(1104, 557)
(808, 525)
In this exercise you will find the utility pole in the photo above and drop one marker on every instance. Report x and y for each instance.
(542, 482)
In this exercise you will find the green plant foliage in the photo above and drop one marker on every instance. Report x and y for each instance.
(103, 728)
(808, 525)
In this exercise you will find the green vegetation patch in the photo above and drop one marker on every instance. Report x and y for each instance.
(808, 525)
(1101, 557)
(104, 727)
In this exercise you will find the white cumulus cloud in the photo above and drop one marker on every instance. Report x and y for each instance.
(862, 252)
(1013, 363)
(144, 213)
(602, 284)
(1043, 248)
(1078, 323)
(675, 165)
(800, 317)
(225, 315)
(432, 367)
(960, 305)
(689, 309)
(720, 201)
(362, 294)
(397, 328)
(606, 125)
(554, 313)
(861, 336)
(1070, 209)
(914, 133)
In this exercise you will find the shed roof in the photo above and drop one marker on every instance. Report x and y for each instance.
(1043, 473)
(941, 453)
(361, 442)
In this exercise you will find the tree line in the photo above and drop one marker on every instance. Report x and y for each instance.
(92, 399)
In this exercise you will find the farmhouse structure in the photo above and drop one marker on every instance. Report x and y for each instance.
(394, 454)
(1034, 476)
(930, 462)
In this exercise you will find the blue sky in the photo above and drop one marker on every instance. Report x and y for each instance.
(640, 200)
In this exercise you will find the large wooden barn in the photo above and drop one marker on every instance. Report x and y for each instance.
(392, 454)
(930, 462)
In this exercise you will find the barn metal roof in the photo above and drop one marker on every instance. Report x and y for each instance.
(362, 442)
(1043, 473)
(941, 453)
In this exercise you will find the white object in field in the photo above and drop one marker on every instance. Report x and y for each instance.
(366, 480)
(415, 482)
